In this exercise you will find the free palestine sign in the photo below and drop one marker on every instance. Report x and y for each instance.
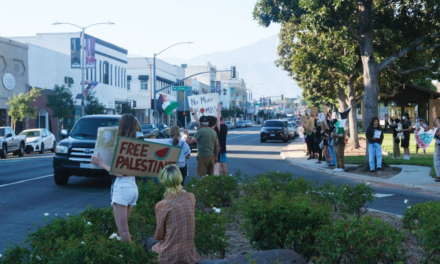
(134, 157)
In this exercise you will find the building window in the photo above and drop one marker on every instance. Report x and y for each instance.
(119, 76)
(128, 84)
(87, 74)
(111, 74)
(144, 84)
(116, 76)
(125, 78)
(95, 73)
(100, 71)
(106, 73)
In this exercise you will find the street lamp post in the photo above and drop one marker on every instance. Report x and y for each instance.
(154, 76)
(82, 55)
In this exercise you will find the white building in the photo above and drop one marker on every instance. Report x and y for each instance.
(50, 64)
(207, 78)
(236, 93)
(140, 86)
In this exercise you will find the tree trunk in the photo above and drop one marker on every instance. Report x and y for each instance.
(342, 99)
(352, 116)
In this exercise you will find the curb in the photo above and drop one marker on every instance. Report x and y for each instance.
(357, 176)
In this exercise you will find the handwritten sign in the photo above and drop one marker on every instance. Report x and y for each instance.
(105, 144)
(315, 111)
(204, 104)
(302, 110)
(325, 110)
(384, 112)
(136, 157)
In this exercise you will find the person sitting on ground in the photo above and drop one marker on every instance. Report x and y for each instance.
(374, 139)
(176, 221)
(420, 126)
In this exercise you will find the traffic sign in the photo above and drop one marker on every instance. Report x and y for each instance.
(180, 88)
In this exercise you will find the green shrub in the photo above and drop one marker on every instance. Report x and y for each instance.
(283, 222)
(210, 236)
(214, 191)
(354, 199)
(423, 221)
(360, 240)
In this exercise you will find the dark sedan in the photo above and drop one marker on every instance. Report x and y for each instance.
(163, 130)
(149, 130)
(274, 130)
(192, 128)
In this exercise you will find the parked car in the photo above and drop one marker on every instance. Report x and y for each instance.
(274, 130)
(292, 129)
(150, 131)
(73, 154)
(163, 130)
(39, 140)
(11, 143)
(229, 124)
(192, 128)
(240, 124)
(249, 123)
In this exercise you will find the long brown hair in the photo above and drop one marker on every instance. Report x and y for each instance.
(127, 126)
(175, 134)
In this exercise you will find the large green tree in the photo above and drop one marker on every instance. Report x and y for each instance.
(401, 36)
(61, 103)
(92, 105)
(20, 106)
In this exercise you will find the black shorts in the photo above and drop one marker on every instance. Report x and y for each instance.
(405, 142)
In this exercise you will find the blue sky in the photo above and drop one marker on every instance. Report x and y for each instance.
(143, 26)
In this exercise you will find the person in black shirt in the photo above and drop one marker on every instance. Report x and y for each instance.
(317, 138)
(222, 133)
(396, 141)
(406, 129)
(375, 138)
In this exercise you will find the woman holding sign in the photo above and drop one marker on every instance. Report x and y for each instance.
(185, 152)
(375, 138)
(124, 190)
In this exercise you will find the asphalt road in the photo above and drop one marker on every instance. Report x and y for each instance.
(28, 190)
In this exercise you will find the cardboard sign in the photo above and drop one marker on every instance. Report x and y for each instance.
(105, 144)
(136, 157)
(204, 104)
(384, 112)
(302, 110)
(310, 124)
(321, 117)
(325, 110)
(315, 111)
(303, 119)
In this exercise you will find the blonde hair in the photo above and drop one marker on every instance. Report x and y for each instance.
(175, 134)
(171, 178)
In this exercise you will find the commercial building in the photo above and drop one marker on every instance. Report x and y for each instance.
(50, 65)
(140, 86)
(233, 89)
(208, 78)
(14, 72)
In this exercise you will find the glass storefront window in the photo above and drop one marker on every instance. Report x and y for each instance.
(395, 110)
(411, 109)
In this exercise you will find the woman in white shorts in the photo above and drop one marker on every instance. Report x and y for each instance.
(124, 189)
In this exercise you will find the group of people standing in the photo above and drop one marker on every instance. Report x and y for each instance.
(324, 141)
(173, 239)
(402, 133)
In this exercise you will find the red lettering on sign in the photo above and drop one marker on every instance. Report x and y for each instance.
(138, 164)
(160, 167)
(123, 147)
(130, 148)
(136, 149)
(144, 167)
(131, 164)
(151, 165)
(119, 160)
(155, 165)
(144, 150)
(126, 163)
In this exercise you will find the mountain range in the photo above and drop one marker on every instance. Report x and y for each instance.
(255, 64)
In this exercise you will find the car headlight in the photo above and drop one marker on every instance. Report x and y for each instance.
(61, 149)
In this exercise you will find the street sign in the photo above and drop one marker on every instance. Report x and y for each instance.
(180, 88)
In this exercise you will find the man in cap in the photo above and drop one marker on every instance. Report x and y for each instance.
(207, 143)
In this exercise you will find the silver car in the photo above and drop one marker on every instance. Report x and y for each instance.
(229, 124)
(240, 124)
(249, 123)
(292, 130)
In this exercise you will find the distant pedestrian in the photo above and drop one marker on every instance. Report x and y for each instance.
(331, 142)
(418, 127)
(309, 136)
(339, 146)
(317, 140)
(325, 150)
(374, 139)
(185, 152)
(222, 133)
(406, 129)
(437, 151)
(124, 189)
(395, 124)
(207, 141)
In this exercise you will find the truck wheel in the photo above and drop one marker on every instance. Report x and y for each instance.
(4, 152)
(20, 152)
(42, 148)
(54, 147)
(60, 177)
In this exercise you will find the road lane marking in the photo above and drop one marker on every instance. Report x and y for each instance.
(381, 195)
(238, 136)
(33, 179)
(23, 159)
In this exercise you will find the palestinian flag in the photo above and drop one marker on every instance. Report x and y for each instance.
(342, 121)
(90, 86)
(166, 106)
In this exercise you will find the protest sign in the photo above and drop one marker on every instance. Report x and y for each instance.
(321, 117)
(334, 115)
(383, 113)
(302, 110)
(303, 119)
(315, 111)
(136, 157)
(204, 104)
(105, 145)
(325, 110)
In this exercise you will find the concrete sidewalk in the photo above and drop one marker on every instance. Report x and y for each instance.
(411, 176)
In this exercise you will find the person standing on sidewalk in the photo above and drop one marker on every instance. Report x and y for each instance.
(317, 140)
(339, 146)
(207, 141)
(395, 123)
(375, 137)
(418, 126)
(331, 142)
(222, 133)
(325, 150)
(310, 139)
(406, 129)
(185, 152)
(437, 151)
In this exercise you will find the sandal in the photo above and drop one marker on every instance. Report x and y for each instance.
(437, 179)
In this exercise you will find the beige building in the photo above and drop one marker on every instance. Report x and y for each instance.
(14, 77)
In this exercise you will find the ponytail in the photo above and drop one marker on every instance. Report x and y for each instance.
(175, 140)
(175, 134)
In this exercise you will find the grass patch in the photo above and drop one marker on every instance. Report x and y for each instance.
(387, 145)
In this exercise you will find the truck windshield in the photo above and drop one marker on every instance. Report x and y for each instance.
(2, 132)
(88, 128)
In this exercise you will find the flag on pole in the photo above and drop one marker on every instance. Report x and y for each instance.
(90, 86)
(342, 121)
(166, 106)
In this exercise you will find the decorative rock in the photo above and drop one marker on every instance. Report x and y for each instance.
(285, 256)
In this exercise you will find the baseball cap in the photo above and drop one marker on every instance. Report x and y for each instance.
(204, 120)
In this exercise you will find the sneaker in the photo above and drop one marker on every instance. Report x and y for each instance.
(309, 158)
(332, 165)
(341, 170)
(379, 169)
(335, 170)
(372, 171)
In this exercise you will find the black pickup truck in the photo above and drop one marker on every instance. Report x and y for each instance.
(73, 154)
